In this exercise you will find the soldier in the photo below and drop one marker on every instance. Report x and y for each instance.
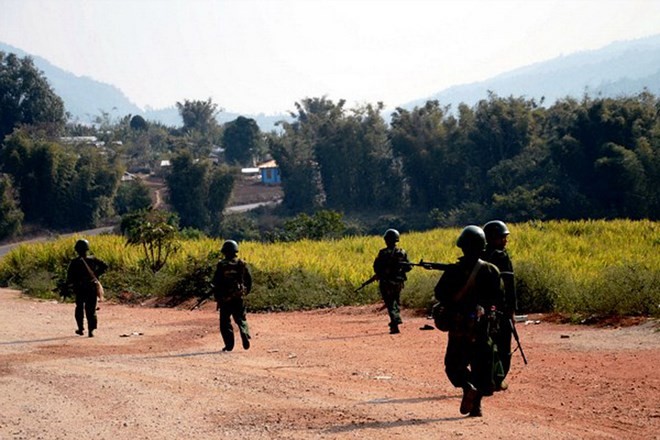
(82, 277)
(231, 282)
(390, 270)
(472, 290)
(496, 239)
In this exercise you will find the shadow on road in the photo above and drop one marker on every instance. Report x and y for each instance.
(36, 341)
(387, 425)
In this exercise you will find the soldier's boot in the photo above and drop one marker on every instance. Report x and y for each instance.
(476, 407)
(80, 331)
(245, 338)
(394, 328)
(470, 395)
(91, 333)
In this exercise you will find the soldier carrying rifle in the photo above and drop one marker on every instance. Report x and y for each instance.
(390, 270)
(472, 290)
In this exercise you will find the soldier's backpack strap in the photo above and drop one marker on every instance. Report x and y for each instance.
(470, 282)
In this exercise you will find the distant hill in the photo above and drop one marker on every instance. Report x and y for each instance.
(85, 98)
(621, 68)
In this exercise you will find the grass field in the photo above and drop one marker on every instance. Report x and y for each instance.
(577, 268)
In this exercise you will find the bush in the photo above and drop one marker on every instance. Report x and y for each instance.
(625, 289)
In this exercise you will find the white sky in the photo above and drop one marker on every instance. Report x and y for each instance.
(261, 56)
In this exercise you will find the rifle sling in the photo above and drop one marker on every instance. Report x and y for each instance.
(91, 272)
(470, 282)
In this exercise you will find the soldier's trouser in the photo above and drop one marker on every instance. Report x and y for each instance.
(458, 357)
(233, 308)
(391, 294)
(86, 306)
(503, 341)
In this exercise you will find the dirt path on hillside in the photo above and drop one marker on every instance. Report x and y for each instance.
(153, 373)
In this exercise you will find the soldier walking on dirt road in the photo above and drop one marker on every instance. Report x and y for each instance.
(472, 291)
(496, 239)
(390, 270)
(231, 282)
(83, 278)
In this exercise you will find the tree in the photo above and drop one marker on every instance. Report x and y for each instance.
(331, 157)
(11, 217)
(138, 123)
(156, 232)
(427, 142)
(198, 115)
(58, 186)
(301, 179)
(26, 97)
(200, 126)
(132, 196)
(198, 191)
(241, 139)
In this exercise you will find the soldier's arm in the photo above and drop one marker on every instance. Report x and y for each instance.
(404, 262)
(100, 268)
(247, 277)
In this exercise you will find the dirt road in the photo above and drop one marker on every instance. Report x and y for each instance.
(153, 373)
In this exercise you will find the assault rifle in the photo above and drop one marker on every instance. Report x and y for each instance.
(517, 338)
(428, 265)
(373, 278)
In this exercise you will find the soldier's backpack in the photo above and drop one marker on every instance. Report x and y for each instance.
(232, 280)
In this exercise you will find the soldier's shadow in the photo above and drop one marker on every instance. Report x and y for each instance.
(36, 341)
(387, 400)
(387, 425)
(186, 355)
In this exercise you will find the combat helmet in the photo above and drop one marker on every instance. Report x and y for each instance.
(391, 235)
(229, 247)
(81, 246)
(495, 229)
(472, 240)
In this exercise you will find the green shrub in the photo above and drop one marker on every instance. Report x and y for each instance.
(626, 289)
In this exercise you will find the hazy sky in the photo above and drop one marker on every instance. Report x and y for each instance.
(261, 56)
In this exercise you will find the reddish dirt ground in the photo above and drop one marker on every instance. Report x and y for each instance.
(155, 373)
(252, 191)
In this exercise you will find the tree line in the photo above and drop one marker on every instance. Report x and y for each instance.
(505, 157)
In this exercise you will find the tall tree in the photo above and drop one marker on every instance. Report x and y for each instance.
(198, 191)
(242, 141)
(26, 97)
(11, 217)
(200, 126)
(422, 139)
(198, 115)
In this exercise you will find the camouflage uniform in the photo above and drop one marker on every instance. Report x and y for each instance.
(83, 285)
(467, 361)
(392, 276)
(500, 258)
(232, 281)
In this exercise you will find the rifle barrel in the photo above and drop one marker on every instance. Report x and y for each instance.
(517, 338)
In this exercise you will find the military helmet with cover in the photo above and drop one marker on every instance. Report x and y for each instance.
(495, 229)
(391, 235)
(472, 239)
(81, 246)
(229, 247)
